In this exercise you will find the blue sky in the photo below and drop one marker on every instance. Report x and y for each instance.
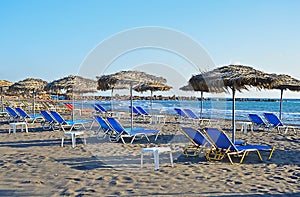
(50, 39)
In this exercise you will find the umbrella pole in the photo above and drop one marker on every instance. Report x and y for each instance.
(33, 110)
(151, 101)
(73, 105)
(280, 110)
(131, 107)
(201, 105)
(233, 115)
(111, 99)
(2, 107)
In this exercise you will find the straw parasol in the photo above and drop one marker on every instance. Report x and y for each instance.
(4, 84)
(152, 87)
(129, 78)
(29, 85)
(73, 84)
(234, 77)
(284, 82)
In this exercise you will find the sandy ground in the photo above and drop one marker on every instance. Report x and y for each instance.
(34, 164)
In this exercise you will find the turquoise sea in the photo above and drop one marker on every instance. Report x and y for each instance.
(215, 108)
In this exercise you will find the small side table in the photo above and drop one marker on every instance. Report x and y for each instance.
(73, 135)
(156, 151)
(245, 126)
(156, 119)
(13, 125)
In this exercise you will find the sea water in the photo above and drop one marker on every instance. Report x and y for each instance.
(213, 108)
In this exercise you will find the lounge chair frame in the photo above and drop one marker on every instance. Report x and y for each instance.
(225, 147)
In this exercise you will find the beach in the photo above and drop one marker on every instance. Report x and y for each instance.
(34, 164)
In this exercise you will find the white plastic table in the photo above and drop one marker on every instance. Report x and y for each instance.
(156, 119)
(245, 126)
(13, 125)
(156, 151)
(73, 135)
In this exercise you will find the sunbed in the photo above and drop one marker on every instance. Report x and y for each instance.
(199, 142)
(29, 118)
(49, 122)
(225, 147)
(193, 116)
(12, 114)
(68, 123)
(257, 121)
(104, 126)
(130, 132)
(276, 123)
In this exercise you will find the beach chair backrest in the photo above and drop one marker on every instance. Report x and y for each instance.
(96, 108)
(12, 112)
(135, 110)
(220, 139)
(58, 117)
(191, 113)
(180, 112)
(103, 124)
(47, 116)
(196, 136)
(256, 119)
(115, 125)
(273, 119)
(22, 112)
(142, 110)
(101, 108)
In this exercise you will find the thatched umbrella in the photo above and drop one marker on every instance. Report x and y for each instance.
(4, 84)
(27, 86)
(234, 77)
(152, 87)
(284, 82)
(73, 84)
(129, 78)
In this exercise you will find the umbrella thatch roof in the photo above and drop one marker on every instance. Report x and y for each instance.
(29, 84)
(105, 82)
(285, 82)
(236, 77)
(187, 87)
(5, 83)
(71, 83)
(152, 87)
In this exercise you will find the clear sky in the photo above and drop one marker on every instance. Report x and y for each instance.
(50, 39)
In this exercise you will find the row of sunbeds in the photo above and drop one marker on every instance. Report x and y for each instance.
(272, 122)
(52, 120)
(216, 145)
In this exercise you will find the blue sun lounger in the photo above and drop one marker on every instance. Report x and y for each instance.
(199, 142)
(49, 122)
(225, 147)
(257, 121)
(276, 123)
(68, 123)
(128, 132)
(105, 127)
(142, 110)
(29, 118)
(139, 113)
(193, 116)
(12, 114)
